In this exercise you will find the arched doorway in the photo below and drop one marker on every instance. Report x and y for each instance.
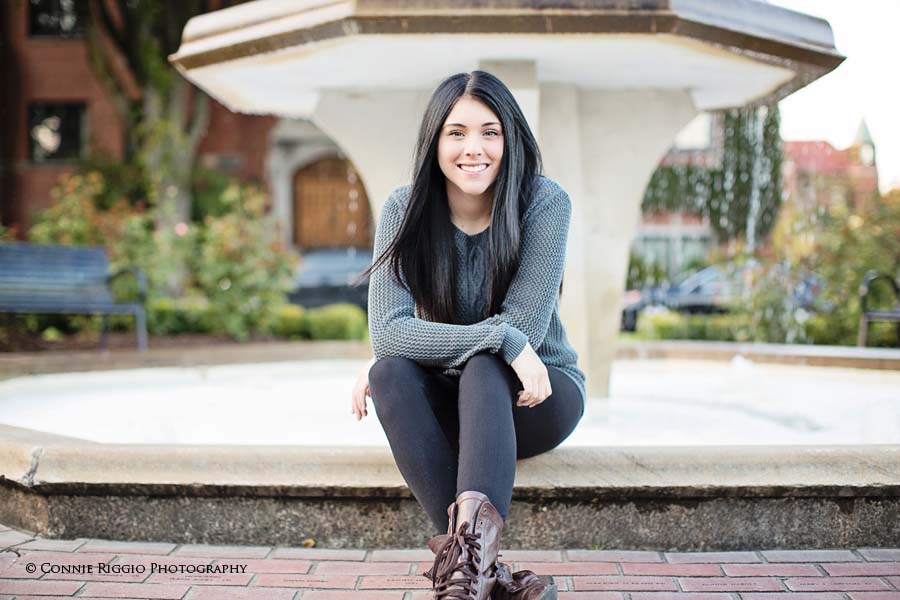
(331, 209)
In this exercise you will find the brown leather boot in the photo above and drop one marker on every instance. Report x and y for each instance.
(465, 561)
(522, 585)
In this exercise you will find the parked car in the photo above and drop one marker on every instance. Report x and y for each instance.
(713, 289)
(324, 277)
(709, 290)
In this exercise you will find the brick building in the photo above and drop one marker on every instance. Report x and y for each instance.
(817, 174)
(55, 109)
(814, 174)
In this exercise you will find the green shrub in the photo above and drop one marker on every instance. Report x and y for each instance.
(209, 188)
(126, 232)
(656, 322)
(840, 243)
(168, 316)
(242, 266)
(7, 234)
(289, 321)
(342, 321)
(663, 324)
(726, 327)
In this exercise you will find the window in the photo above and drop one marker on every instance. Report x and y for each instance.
(693, 248)
(656, 250)
(56, 18)
(56, 131)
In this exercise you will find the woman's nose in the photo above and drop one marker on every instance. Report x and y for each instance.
(473, 148)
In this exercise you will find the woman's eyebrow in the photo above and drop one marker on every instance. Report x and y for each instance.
(464, 127)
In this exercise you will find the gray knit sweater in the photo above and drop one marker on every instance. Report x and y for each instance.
(530, 310)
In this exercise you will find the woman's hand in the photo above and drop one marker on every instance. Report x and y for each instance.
(533, 374)
(360, 391)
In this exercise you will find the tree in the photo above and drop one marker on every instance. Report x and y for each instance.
(746, 193)
(164, 117)
(743, 196)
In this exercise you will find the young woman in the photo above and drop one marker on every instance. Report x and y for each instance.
(472, 366)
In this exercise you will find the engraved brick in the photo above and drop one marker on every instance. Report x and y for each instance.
(393, 582)
(712, 557)
(135, 590)
(809, 556)
(213, 592)
(362, 568)
(223, 551)
(618, 583)
(779, 570)
(835, 584)
(683, 570)
(294, 580)
(871, 569)
(318, 554)
(619, 556)
(730, 584)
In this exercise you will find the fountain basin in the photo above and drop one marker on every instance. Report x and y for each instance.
(673, 488)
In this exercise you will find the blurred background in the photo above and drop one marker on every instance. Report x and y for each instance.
(759, 224)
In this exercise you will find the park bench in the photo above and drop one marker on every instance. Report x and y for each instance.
(39, 278)
(867, 315)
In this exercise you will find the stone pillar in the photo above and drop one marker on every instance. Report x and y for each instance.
(563, 163)
(602, 147)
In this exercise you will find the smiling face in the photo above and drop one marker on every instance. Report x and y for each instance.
(470, 146)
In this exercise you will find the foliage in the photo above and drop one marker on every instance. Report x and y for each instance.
(674, 188)
(126, 232)
(289, 321)
(342, 321)
(164, 117)
(240, 265)
(7, 234)
(656, 322)
(121, 180)
(643, 272)
(168, 316)
(747, 191)
(239, 270)
(839, 244)
(209, 188)
(741, 199)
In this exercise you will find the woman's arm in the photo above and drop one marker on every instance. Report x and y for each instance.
(533, 291)
(396, 331)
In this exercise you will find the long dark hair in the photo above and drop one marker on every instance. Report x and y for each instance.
(424, 248)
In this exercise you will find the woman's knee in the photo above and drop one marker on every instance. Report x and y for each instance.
(388, 369)
(483, 364)
(487, 378)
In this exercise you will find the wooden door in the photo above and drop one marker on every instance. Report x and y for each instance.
(331, 209)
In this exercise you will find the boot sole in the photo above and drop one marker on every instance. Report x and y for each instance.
(549, 592)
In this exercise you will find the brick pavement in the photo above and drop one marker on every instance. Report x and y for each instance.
(125, 570)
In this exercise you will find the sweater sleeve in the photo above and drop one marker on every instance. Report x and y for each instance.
(396, 331)
(534, 290)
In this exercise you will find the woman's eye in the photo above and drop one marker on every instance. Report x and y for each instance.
(496, 133)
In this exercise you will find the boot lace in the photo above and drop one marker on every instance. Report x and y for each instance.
(458, 554)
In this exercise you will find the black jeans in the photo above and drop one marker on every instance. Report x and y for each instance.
(450, 434)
